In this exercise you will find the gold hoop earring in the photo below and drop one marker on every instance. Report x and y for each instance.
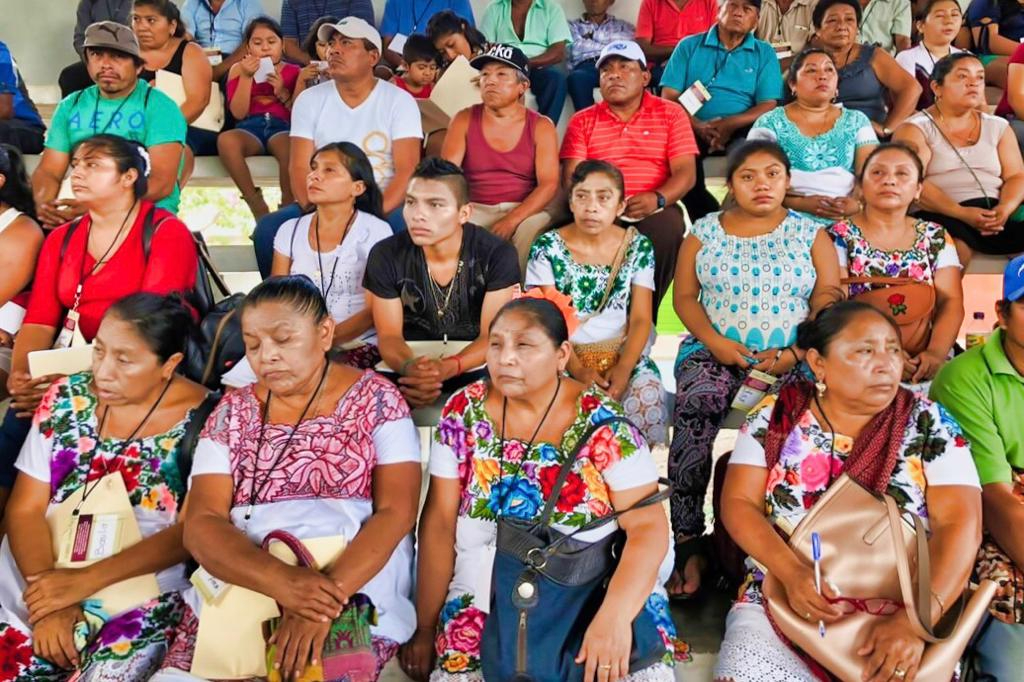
(821, 388)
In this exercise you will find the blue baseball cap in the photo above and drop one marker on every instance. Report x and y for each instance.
(1013, 279)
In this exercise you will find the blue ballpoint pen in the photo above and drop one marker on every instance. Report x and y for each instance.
(816, 555)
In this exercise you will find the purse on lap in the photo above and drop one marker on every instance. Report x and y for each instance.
(603, 355)
(908, 302)
(547, 587)
(882, 562)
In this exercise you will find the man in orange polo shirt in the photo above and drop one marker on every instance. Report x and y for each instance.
(650, 140)
(661, 24)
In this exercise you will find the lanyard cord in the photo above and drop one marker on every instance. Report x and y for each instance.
(832, 446)
(257, 490)
(82, 274)
(96, 112)
(99, 439)
(529, 444)
(326, 287)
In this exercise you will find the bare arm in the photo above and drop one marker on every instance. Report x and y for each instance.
(281, 265)
(405, 153)
(166, 161)
(997, 44)
(227, 61)
(655, 53)
(1011, 194)
(29, 534)
(1004, 516)
(949, 310)
(299, 157)
(827, 289)
(860, 156)
(748, 117)
(197, 74)
(396, 501)
(568, 168)
(641, 304)
(555, 54)
(353, 327)
(293, 51)
(436, 550)
(683, 171)
(901, 42)
(242, 95)
(903, 88)
(954, 513)
(686, 293)
(19, 248)
(29, 338)
(48, 175)
(6, 106)
(475, 354)
(454, 147)
(387, 320)
(1015, 89)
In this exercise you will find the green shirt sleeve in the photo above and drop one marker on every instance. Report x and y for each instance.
(57, 137)
(558, 26)
(901, 22)
(489, 24)
(965, 394)
(164, 122)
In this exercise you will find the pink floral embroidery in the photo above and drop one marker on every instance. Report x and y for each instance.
(329, 457)
(814, 472)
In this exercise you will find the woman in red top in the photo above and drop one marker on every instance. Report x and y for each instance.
(102, 261)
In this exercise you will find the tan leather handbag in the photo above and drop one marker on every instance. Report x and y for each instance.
(879, 562)
(908, 302)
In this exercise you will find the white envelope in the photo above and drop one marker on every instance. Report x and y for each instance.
(62, 361)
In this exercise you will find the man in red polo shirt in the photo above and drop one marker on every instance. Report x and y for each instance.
(650, 140)
(661, 24)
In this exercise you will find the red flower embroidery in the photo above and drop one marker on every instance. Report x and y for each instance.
(456, 404)
(960, 441)
(573, 491)
(897, 304)
(590, 403)
(15, 654)
(896, 299)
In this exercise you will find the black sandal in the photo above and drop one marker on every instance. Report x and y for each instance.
(686, 550)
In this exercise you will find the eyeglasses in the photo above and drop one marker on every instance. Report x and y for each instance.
(875, 607)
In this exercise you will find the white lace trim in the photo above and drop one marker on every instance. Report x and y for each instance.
(752, 652)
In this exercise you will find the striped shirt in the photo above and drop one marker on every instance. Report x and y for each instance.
(641, 147)
(298, 16)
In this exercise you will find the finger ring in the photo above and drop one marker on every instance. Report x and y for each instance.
(606, 666)
(899, 673)
(807, 616)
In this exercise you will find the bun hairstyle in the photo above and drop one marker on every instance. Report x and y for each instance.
(296, 291)
(126, 154)
(16, 190)
(543, 313)
(165, 323)
(818, 333)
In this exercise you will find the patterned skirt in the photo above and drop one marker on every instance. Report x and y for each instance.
(128, 648)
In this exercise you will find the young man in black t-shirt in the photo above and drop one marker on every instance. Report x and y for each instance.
(443, 279)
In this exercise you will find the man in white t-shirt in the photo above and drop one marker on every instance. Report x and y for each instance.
(354, 106)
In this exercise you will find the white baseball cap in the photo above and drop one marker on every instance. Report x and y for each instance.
(626, 49)
(351, 27)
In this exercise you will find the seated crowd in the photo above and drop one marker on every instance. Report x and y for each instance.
(265, 522)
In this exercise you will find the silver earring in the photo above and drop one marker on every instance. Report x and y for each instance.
(821, 388)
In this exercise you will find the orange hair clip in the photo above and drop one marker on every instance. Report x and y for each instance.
(562, 301)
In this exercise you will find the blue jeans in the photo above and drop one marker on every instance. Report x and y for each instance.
(267, 227)
(998, 651)
(548, 84)
(13, 432)
(581, 83)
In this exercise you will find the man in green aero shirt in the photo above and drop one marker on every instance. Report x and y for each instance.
(118, 104)
(984, 389)
(540, 30)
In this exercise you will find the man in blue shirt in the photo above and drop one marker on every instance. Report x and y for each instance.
(735, 75)
(220, 25)
(405, 17)
(20, 123)
(298, 16)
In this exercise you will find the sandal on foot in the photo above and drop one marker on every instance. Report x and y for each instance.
(686, 550)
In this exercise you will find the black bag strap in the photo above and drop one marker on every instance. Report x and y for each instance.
(211, 270)
(189, 440)
(148, 231)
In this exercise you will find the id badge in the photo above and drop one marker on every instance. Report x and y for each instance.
(67, 330)
(211, 589)
(695, 97)
(92, 537)
(754, 387)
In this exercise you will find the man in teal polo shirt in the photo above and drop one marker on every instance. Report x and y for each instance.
(984, 390)
(540, 30)
(118, 104)
(740, 73)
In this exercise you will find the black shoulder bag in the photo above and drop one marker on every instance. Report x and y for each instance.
(547, 586)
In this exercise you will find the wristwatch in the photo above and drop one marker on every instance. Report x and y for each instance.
(661, 199)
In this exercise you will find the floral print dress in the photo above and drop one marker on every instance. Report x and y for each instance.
(63, 450)
(552, 264)
(466, 447)
(934, 453)
(931, 251)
